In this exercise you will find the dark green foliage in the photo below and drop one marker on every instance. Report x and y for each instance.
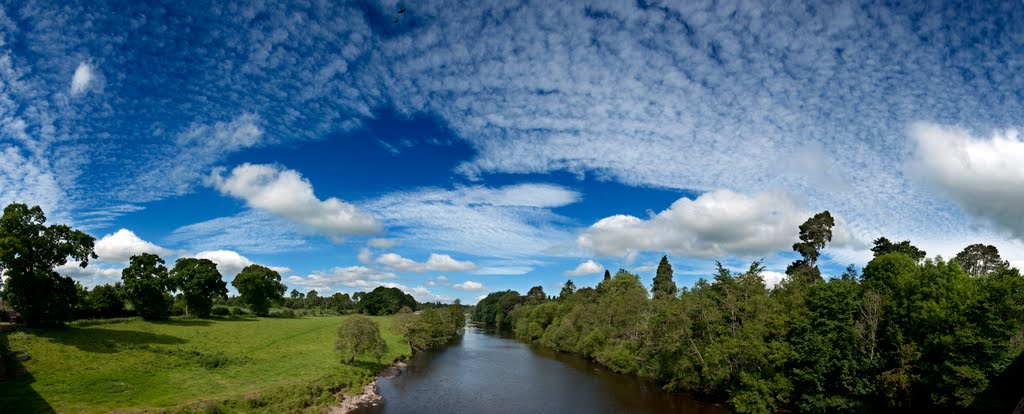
(258, 288)
(495, 307)
(536, 293)
(607, 275)
(384, 301)
(432, 327)
(199, 283)
(29, 252)
(359, 335)
(980, 260)
(663, 286)
(567, 290)
(883, 247)
(815, 233)
(145, 286)
(904, 337)
(106, 302)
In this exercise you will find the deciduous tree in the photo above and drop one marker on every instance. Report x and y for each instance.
(359, 335)
(199, 282)
(29, 252)
(146, 283)
(258, 288)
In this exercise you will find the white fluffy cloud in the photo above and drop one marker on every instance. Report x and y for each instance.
(985, 176)
(286, 193)
(436, 263)
(123, 244)
(772, 278)
(588, 267)
(445, 263)
(91, 275)
(716, 224)
(468, 286)
(229, 263)
(82, 78)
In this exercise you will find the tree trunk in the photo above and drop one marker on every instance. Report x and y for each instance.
(1020, 407)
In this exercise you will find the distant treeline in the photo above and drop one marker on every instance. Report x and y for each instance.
(30, 251)
(904, 334)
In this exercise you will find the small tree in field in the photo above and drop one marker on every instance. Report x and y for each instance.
(360, 335)
(200, 282)
(259, 287)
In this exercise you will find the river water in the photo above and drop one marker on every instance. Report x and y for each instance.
(487, 373)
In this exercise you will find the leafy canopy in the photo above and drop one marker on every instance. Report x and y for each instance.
(29, 252)
(359, 335)
(258, 288)
(199, 282)
(146, 283)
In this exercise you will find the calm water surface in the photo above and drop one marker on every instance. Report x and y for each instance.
(487, 373)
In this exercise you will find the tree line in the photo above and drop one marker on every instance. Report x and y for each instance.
(906, 333)
(30, 251)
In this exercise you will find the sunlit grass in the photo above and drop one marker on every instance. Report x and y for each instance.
(254, 364)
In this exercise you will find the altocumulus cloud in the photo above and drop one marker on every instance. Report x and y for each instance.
(984, 176)
(716, 224)
(286, 193)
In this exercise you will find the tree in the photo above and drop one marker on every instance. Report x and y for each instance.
(980, 260)
(297, 295)
(258, 288)
(815, 233)
(341, 302)
(883, 247)
(199, 283)
(360, 335)
(663, 286)
(567, 290)
(106, 301)
(607, 275)
(29, 253)
(385, 301)
(145, 286)
(536, 293)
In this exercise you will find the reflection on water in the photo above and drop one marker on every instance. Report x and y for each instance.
(487, 373)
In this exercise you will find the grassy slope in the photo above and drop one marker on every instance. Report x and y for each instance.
(141, 365)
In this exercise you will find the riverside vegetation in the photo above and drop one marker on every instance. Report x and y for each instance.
(904, 334)
(228, 361)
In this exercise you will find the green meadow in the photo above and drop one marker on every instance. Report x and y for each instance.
(267, 365)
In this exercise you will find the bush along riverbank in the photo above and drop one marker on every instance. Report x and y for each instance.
(423, 330)
(905, 334)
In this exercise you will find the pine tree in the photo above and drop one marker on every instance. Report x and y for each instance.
(663, 286)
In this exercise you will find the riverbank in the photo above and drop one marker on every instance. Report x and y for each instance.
(370, 396)
(187, 365)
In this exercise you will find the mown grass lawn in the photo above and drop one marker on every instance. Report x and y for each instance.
(252, 364)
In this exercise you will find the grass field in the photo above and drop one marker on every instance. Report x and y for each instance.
(215, 365)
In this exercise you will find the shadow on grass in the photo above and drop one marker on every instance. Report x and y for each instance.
(16, 392)
(106, 341)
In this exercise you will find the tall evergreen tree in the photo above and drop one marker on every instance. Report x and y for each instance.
(607, 275)
(883, 246)
(663, 286)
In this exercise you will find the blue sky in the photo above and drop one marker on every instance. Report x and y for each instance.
(479, 146)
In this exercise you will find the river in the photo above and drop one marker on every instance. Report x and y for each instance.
(487, 373)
